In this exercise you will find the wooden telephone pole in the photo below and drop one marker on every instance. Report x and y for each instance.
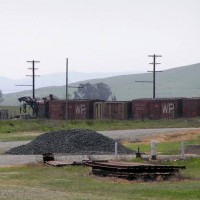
(66, 100)
(66, 91)
(154, 73)
(33, 77)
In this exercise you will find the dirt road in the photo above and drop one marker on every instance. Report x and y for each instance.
(138, 134)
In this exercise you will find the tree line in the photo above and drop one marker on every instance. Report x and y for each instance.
(1, 96)
(99, 91)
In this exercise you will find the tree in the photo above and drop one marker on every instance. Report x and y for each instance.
(1, 96)
(93, 91)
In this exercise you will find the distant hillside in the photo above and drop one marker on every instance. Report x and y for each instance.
(176, 82)
(56, 79)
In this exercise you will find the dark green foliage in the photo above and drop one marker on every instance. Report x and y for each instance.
(93, 91)
(1, 96)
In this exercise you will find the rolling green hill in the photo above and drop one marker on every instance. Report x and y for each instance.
(176, 82)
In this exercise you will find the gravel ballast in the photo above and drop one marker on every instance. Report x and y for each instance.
(73, 142)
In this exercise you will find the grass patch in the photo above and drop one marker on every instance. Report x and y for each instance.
(18, 136)
(34, 182)
(192, 167)
(163, 148)
(9, 129)
(45, 125)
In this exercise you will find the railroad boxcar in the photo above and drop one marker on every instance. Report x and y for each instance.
(191, 107)
(56, 109)
(140, 108)
(80, 109)
(165, 108)
(116, 110)
(43, 109)
(160, 108)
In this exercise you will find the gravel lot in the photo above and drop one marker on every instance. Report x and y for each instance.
(132, 135)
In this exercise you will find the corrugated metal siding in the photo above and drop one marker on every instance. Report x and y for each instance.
(157, 108)
(191, 107)
(41, 110)
(140, 109)
(164, 109)
(57, 109)
(129, 108)
(98, 110)
(111, 110)
(79, 109)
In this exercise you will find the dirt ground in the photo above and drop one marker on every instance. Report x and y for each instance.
(173, 137)
(138, 135)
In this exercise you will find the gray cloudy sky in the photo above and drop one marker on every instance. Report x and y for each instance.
(97, 35)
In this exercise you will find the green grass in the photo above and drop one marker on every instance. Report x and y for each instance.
(192, 170)
(13, 129)
(39, 182)
(5, 137)
(43, 125)
(163, 148)
(77, 183)
(7, 126)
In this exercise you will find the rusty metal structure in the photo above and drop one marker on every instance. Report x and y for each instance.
(113, 110)
(191, 107)
(84, 109)
(160, 108)
(126, 170)
(132, 170)
(49, 160)
(30, 102)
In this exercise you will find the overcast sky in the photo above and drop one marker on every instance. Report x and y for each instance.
(97, 35)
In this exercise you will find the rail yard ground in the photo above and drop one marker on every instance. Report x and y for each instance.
(36, 181)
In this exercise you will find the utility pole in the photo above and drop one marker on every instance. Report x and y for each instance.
(66, 91)
(33, 75)
(66, 101)
(154, 72)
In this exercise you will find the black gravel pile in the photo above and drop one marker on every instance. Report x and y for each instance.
(73, 142)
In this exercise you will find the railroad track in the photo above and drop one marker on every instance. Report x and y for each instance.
(132, 170)
(127, 170)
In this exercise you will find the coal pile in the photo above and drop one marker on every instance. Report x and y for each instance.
(72, 142)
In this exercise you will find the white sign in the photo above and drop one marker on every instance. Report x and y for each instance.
(168, 108)
(80, 109)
